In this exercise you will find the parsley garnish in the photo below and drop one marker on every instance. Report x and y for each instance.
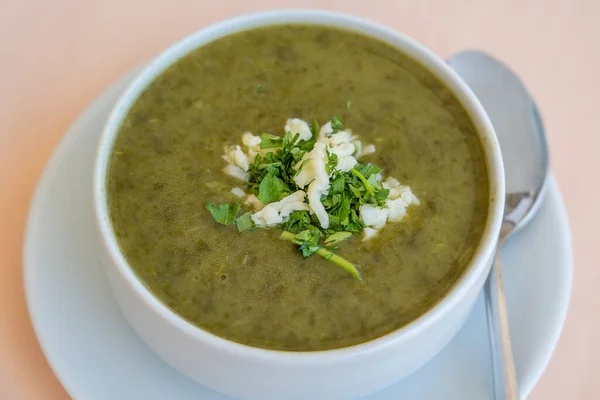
(328, 255)
(336, 124)
(223, 213)
(244, 222)
(336, 238)
(268, 141)
(272, 175)
(272, 188)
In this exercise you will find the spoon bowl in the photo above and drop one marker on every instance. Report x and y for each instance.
(521, 135)
(519, 129)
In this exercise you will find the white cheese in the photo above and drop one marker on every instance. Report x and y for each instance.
(374, 217)
(396, 209)
(368, 150)
(308, 172)
(390, 183)
(326, 130)
(346, 163)
(291, 198)
(341, 137)
(342, 150)
(291, 207)
(249, 140)
(236, 172)
(278, 212)
(268, 216)
(234, 155)
(238, 192)
(409, 197)
(341, 144)
(254, 202)
(369, 233)
(298, 126)
(318, 187)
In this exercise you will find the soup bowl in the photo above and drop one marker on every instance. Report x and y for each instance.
(255, 373)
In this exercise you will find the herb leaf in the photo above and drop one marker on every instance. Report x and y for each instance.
(223, 213)
(367, 170)
(337, 237)
(268, 141)
(244, 222)
(328, 255)
(308, 241)
(298, 221)
(332, 161)
(364, 181)
(336, 124)
(337, 184)
(271, 188)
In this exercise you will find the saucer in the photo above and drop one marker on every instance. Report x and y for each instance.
(97, 356)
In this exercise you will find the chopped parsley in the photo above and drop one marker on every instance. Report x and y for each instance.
(272, 188)
(244, 222)
(335, 238)
(336, 124)
(271, 178)
(223, 213)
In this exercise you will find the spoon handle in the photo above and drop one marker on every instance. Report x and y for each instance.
(505, 378)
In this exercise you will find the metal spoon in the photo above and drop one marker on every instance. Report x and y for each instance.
(525, 154)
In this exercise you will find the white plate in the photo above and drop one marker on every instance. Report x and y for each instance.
(96, 355)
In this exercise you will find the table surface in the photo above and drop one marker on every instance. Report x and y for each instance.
(57, 56)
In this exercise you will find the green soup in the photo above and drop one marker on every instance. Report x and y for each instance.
(251, 287)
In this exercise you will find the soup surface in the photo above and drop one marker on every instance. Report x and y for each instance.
(251, 287)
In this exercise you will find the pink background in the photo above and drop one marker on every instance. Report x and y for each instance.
(58, 55)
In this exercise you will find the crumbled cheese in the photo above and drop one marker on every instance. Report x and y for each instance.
(252, 142)
(308, 172)
(236, 172)
(369, 233)
(341, 137)
(360, 151)
(238, 192)
(300, 127)
(268, 216)
(249, 140)
(287, 209)
(326, 130)
(409, 197)
(234, 155)
(368, 150)
(254, 202)
(346, 163)
(343, 149)
(278, 212)
(397, 191)
(318, 187)
(390, 183)
(374, 217)
(396, 209)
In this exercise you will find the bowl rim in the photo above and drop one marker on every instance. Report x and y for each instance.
(467, 282)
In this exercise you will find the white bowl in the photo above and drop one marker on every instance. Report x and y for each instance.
(253, 373)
